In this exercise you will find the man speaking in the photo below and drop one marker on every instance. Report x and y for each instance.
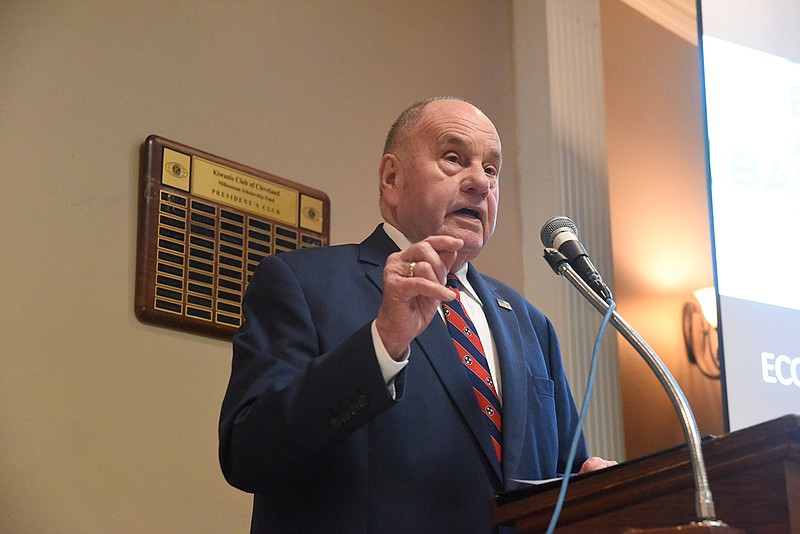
(389, 386)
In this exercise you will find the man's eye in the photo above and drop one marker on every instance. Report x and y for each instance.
(452, 158)
(491, 170)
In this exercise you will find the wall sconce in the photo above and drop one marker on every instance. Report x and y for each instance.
(700, 332)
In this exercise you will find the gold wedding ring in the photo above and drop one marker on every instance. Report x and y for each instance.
(411, 269)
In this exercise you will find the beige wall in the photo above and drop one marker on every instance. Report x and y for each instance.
(109, 425)
(659, 217)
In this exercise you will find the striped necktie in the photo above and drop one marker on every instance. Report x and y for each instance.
(470, 350)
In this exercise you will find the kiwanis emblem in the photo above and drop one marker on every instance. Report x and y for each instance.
(311, 213)
(176, 169)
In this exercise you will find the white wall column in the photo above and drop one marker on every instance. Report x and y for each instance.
(563, 171)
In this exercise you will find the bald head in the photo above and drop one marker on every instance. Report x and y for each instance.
(400, 132)
(439, 174)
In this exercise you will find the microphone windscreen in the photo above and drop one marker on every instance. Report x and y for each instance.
(555, 226)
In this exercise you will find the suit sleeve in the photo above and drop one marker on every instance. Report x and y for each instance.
(289, 404)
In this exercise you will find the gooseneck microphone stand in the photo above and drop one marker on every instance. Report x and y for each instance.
(704, 503)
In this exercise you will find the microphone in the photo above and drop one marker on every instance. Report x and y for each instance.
(560, 237)
(561, 233)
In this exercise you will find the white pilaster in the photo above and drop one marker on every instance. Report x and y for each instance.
(563, 171)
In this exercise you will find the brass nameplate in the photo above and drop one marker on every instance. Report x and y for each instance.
(244, 191)
(204, 225)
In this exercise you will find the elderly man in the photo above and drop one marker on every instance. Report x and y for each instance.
(388, 386)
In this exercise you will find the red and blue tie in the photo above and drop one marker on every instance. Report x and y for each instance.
(470, 350)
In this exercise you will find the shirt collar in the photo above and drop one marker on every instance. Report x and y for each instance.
(397, 236)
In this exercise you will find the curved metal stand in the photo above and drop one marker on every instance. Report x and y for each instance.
(704, 503)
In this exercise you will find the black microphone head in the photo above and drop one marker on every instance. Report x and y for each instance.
(555, 226)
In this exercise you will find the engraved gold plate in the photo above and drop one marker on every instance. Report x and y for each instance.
(204, 225)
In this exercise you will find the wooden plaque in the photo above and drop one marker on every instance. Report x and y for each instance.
(204, 225)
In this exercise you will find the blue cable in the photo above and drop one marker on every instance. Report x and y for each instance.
(579, 428)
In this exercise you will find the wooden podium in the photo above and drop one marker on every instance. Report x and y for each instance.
(754, 476)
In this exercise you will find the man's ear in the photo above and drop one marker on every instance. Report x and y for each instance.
(389, 172)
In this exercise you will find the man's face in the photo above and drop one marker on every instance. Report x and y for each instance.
(445, 179)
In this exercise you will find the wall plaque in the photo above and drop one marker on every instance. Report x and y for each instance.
(204, 225)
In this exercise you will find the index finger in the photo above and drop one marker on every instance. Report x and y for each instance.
(441, 252)
(444, 243)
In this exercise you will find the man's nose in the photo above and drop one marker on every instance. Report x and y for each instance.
(477, 181)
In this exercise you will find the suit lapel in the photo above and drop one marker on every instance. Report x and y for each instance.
(372, 254)
(504, 326)
(437, 346)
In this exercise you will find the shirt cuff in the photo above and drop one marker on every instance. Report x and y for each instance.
(390, 367)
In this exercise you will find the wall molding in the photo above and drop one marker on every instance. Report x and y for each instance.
(677, 16)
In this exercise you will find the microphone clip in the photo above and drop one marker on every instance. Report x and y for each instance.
(555, 259)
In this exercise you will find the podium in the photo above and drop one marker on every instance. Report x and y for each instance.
(754, 475)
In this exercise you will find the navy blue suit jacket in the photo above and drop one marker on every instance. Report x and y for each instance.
(309, 428)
